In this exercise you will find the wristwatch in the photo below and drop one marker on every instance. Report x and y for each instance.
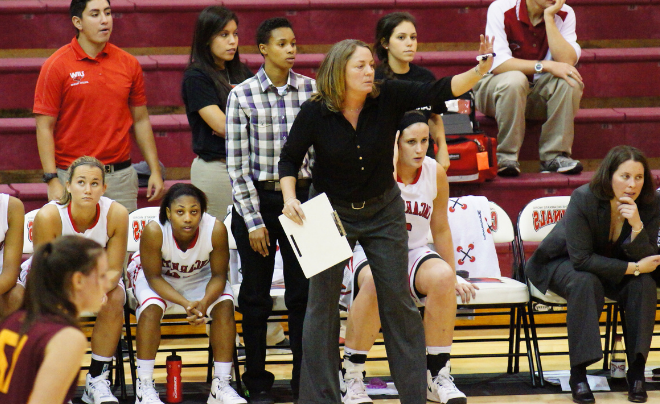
(636, 273)
(538, 67)
(48, 176)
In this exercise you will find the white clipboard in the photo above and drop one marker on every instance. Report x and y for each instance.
(321, 241)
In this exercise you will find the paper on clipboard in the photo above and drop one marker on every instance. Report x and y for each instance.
(321, 241)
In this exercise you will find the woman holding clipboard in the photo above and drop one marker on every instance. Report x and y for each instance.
(352, 124)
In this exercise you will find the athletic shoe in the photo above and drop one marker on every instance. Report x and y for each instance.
(223, 393)
(283, 348)
(508, 168)
(442, 389)
(561, 164)
(145, 392)
(97, 390)
(355, 392)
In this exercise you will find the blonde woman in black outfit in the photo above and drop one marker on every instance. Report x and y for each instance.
(396, 47)
(352, 124)
(214, 68)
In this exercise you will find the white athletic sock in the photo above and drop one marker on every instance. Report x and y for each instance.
(221, 369)
(145, 369)
(437, 350)
(102, 358)
(349, 351)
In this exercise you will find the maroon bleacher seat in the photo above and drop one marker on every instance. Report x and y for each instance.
(33, 195)
(606, 73)
(148, 23)
(19, 144)
(6, 189)
(596, 131)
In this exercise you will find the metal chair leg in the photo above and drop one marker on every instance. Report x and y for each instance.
(509, 368)
(516, 367)
(131, 352)
(535, 341)
(608, 330)
(528, 345)
(209, 374)
(120, 377)
(237, 373)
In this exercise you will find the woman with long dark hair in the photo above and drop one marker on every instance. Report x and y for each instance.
(605, 245)
(214, 68)
(42, 345)
(395, 46)
(352, 123)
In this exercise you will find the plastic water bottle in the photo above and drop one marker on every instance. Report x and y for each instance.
(618, 363)
(174, 389)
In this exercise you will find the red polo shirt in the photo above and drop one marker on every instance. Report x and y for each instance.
(90, 97)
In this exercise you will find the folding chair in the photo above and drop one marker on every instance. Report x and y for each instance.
(508, 294)
(535, 222)
(28, 248)
(137, 221)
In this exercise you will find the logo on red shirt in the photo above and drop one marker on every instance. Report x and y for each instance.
(77, 78)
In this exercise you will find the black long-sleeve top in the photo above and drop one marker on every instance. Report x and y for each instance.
(582, 236)
(356, 164)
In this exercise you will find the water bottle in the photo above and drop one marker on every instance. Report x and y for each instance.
(618, 363)
(174, 389)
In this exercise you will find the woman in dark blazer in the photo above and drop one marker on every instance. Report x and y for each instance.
(605, 245)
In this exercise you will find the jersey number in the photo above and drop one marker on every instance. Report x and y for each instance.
(9, 338)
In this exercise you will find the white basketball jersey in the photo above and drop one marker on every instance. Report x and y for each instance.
(4, 226)
(99, 230)
(180, 264)
(418, 198)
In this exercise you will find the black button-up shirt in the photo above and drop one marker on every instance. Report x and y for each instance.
(356, 164)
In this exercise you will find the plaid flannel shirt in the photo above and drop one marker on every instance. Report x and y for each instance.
(258, 123)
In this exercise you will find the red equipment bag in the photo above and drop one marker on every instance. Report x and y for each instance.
(473, 158)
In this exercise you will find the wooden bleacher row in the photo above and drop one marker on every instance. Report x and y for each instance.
(30, 24)
(607, 73)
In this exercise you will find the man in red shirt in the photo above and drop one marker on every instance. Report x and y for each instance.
(88, 96)
(533, 76)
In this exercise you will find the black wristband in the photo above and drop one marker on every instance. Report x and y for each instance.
(48, 176)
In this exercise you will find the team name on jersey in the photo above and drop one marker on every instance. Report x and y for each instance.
(542, 218)
(422, 209)
(174, 266)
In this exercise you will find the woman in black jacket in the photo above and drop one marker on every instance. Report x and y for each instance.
(605, 245)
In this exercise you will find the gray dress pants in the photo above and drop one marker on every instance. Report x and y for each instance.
(380, 228)
(585, 295)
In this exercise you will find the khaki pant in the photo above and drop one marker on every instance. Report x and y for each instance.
(122, 186)
(212, 178)
(510, 99)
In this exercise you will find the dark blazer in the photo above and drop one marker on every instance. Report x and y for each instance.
(582, 236)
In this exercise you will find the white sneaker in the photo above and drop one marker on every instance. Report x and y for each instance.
(145, 392)
(442, 389)
(355, 392)
(97, 390)
(223, 393)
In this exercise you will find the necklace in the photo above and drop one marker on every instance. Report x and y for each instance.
(352, 109)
